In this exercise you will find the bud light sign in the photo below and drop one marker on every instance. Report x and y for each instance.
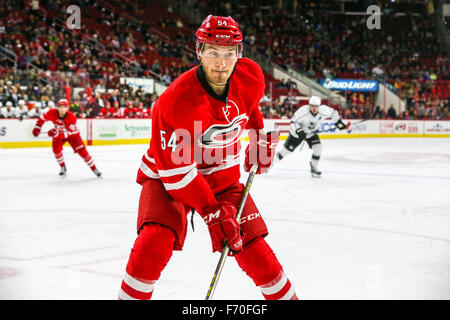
(350, 85)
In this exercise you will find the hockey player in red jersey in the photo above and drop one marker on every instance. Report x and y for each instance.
(64, 130)
(193, 163)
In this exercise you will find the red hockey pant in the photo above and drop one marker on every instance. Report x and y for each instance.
(77, 145)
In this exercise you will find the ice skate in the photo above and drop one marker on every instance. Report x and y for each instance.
(278, 157)
(315, 173)
(63, 172)
(97, 173)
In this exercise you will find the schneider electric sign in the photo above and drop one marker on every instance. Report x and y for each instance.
(350, 85)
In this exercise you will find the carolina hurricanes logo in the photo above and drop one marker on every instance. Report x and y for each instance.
(400, 127)
(223, 135)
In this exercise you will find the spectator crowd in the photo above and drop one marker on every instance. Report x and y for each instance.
(22, 102)
(40, 56)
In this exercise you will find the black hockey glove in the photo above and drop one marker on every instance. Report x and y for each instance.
(301, 134)
(340, 125)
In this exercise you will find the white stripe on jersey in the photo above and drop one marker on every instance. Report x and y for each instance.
(189, 170)
(177, 171)
(151, 160)
(233, 162)
(183, 182)
(148, 172)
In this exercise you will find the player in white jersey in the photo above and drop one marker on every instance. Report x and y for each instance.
(22, 110)
(9, 111)
(305, 124)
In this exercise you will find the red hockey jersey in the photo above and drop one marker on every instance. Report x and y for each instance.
(195, 142)
(65, 126)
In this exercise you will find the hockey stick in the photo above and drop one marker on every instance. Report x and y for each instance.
(349, 125)
(374, 114)
(301, 145)
(226, 249)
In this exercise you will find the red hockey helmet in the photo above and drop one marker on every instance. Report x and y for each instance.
(222, 31)
(63, 103)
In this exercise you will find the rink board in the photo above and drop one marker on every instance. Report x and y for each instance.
(18, 134)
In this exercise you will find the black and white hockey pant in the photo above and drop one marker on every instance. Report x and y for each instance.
(293, 142)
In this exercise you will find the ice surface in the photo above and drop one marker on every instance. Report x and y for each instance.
(375, 226)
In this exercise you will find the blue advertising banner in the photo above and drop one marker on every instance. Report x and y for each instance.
(350, 84)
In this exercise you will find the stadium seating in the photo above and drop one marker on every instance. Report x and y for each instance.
(153, 39)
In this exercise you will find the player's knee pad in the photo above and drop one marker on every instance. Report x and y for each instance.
(58, 155)
(261, 265)
(259, 262)
(317, 149)
(57, 148)
(151, 252)
(59, 158)
(82, 151)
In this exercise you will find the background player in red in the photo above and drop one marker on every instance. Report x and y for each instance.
(193, 163)
(130, 111)
(65, 129)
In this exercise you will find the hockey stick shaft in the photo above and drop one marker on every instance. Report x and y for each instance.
(348, 126)
(375, 113)
(301, 145)
(226, 249)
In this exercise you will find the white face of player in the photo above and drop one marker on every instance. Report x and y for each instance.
(62, 110)
(218, 62)
(314, 108)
